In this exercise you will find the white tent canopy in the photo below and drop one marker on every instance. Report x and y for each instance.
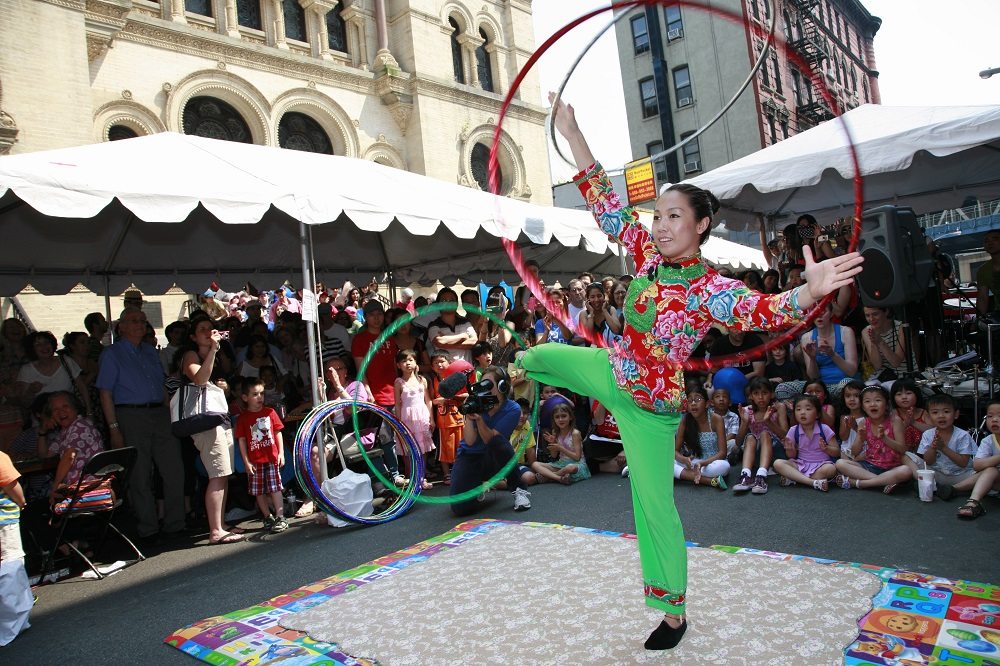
(228, 211)
(930, 158)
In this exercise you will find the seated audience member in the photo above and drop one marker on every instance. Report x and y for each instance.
(946, 449)
(46, 372)
(603, 449)
(699, 450)
(740, 341)
(68, 435)
(763, 424)
(810, 444)
(771, 281)
(830, 351)
(908, 401)
(880, 434)
(986, 464)
(817, 389)
(523, 441)
(884, 345)
(565, 445)
(721, 404)
(849, 415)
(781, 367)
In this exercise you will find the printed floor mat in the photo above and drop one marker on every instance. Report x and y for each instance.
(915, 619)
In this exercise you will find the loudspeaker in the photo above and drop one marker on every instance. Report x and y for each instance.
(898, 265)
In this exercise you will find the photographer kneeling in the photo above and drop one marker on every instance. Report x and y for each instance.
(490, 418)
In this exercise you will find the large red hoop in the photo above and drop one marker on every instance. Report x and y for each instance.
(532, 282)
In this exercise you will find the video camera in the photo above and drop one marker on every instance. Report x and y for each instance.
(480, 394)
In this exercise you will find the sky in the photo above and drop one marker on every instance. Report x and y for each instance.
(928, 53)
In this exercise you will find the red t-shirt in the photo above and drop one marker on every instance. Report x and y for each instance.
(258, 429)
(608, 428)
(381, 372)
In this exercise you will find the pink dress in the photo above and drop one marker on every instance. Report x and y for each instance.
(414, 415)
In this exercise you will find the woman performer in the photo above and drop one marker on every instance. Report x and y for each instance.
(672, 302)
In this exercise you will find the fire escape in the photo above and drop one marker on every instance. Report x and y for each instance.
(808, 43)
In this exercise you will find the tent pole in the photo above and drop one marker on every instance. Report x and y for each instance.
(107, 304)
(308, 282)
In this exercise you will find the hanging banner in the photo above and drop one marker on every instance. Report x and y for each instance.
(640, 183)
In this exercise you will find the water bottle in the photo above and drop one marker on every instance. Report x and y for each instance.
(292, 508)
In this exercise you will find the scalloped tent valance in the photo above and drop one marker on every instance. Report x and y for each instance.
(170, 208)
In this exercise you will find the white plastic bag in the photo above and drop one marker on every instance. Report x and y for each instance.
(351, 493)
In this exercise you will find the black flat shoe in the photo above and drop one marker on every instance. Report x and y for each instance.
(665, 637)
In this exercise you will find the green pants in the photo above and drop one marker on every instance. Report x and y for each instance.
(648, 439)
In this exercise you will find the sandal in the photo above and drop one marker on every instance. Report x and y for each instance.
(231, 537)
(400, 480)
(426, 485)
(971, 510)
(785, 482)
(890, 489)
(821, 485)
(845, 482)
(307, 509)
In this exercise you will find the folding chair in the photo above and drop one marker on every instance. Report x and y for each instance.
(117, 465)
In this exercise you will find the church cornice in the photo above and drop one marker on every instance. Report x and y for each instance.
(481, 101)
(168, 36)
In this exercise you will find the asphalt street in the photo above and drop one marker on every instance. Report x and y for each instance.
(124, 618)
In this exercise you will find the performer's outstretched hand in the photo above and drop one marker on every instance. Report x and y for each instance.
(826, 276)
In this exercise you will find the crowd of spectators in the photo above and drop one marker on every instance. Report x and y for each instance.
(75, 399)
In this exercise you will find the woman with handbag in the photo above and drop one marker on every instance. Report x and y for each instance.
(216, 444)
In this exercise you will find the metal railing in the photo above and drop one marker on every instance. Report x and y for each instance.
(953, 215)
(17, 312)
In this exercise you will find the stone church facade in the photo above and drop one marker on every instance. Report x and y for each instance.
(413, 84)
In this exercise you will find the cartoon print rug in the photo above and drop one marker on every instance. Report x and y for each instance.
(580, 600)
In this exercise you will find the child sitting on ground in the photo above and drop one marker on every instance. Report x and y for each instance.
(986, 463)
(698, 452)
(760, 423)
(908, 402)
(565, 445)
(809, 444)
(259, 432)
(523, 441)
(946, 449)
(603, 448)
(721, 404)
(827, 412)
(849, 415)
(882, 433)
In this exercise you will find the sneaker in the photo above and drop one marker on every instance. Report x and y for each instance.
(279, 525)
(269, 522)
(625, 472)
(785, 482)
(745, 484)
(521, 501)
(718, 482)
(759, 485)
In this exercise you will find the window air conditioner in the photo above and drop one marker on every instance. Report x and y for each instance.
(676, 33)
(684, 101)
(691, 167)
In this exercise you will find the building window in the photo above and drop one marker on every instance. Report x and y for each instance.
(765, 74)
(822, 18)
(248, 14)
(767, 9)
(119, 132)
(456, 52)
(336, 31)
(864, 87)
(840, 72)
(675, 25)
(854, 80)
(201, 7)
(483, 64)
(647, 92)
(682, 86)
(480, 159)
(797, 87)
(640, 34)
(773, 127)
(753, 9)
(660, 165)
(788, 26)
(295, 20)
(777, 73)
(784, 129)
(691, 154)
(297, 131)
(214, 119)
